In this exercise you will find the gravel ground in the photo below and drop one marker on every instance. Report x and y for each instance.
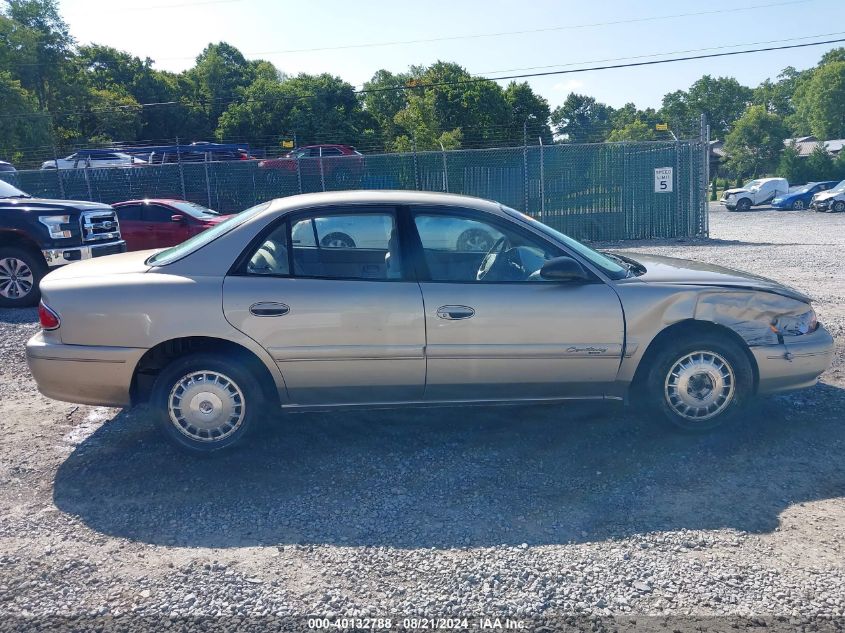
(589, 517)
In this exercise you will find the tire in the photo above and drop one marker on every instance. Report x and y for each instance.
(743, 204)
(20, 273)
(798, 205)
(474, 241)
(700, 382)
(227, 401)
(839, 206)
(337, 240)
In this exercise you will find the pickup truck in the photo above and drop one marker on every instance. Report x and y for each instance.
(37, 235)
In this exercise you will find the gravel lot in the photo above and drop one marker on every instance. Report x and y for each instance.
(528, 512)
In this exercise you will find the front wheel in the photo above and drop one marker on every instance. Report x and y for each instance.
(743, 204)
(798, 205)
(700, 382)
(839, 206)
(20, 273)
(206, 402)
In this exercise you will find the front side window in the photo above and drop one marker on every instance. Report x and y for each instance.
(271, 257)
(155, 213)
(359, 245)
(129, 213)
(461, 248)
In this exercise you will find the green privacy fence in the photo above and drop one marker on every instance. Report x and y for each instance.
(603, 191)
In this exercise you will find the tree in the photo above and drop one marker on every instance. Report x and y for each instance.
(839, 166)
(755, 142)
(383, 102)
(22, 126)
(636, 130)
(820, 164)
(821, 102)
(529, 114)
(792, 166)
(722, 100)
(582, 119)
(777, 96)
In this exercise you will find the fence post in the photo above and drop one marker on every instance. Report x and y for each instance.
(704, 220)
(181, 169)
(542, 181)
(58, 175)
(87, 179)
(416, 169)
(677, 183)
(322, 171)
(445, 170)
(298, 174)
(207, 181)
(525, 166)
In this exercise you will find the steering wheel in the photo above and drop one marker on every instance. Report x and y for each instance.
(490, 258)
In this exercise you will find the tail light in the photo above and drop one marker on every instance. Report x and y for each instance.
(48, 317)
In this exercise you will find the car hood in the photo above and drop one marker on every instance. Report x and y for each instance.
(735, 191)
(45, 204)
(119, 264)
(827, 195)
(671, 270)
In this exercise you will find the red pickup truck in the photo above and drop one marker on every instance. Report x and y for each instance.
(158, 223)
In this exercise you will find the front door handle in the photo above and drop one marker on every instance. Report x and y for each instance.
(455, 313)
(269, 309)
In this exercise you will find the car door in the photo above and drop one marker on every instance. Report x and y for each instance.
(160, 229)
(344, 323)
(509, 335)
(132, 229)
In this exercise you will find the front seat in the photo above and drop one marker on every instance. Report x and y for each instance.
(393, 258)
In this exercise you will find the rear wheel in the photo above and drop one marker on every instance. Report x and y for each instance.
(700, 382)
(206, 402)
(20, 273)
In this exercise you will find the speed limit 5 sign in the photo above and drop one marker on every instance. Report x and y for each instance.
(663, 180)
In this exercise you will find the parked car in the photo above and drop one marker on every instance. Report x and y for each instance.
(37, 235)
(340, 165)
(198, 152)
(219, 331)
(4, 166)
(831, 200)
(93, 158)
(801, 197)
(754, 193)
(158, 223)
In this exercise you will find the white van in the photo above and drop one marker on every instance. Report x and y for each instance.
(754, 193)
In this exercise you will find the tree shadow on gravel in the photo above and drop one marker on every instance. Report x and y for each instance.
(454, 477)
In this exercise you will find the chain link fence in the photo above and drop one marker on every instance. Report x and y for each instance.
(603, 191)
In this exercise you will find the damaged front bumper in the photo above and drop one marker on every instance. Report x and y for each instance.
(796, 363)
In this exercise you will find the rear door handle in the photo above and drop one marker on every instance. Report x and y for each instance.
(269, 309)
(455, 313)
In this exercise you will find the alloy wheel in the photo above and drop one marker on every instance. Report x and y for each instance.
(16, 278)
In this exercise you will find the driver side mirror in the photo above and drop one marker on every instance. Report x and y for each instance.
(178, 218)
(563, 269)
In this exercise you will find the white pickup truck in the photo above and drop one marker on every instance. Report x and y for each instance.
(754, 193)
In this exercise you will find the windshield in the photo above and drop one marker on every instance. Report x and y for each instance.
(8, 191)
(752, 184)
(611, 268)
(170, 255)
(838, 188)
(193, 209)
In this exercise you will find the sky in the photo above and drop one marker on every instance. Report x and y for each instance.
(354, 38)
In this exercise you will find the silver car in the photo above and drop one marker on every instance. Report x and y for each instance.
(242, 320)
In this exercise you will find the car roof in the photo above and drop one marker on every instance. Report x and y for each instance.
(148, 200)
(379, 197)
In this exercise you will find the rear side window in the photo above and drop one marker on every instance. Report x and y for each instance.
(129, 213)
(361, 245)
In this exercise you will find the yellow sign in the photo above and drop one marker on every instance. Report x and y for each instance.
(287, 143)
(662, 127)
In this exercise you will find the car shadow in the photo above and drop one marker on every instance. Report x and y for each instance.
(455, 477)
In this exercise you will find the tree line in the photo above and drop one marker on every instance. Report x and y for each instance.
(56, 94)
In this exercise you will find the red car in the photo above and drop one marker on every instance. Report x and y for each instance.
(161, 223)
(341, 164)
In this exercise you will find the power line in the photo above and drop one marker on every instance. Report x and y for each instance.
(418, 86)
